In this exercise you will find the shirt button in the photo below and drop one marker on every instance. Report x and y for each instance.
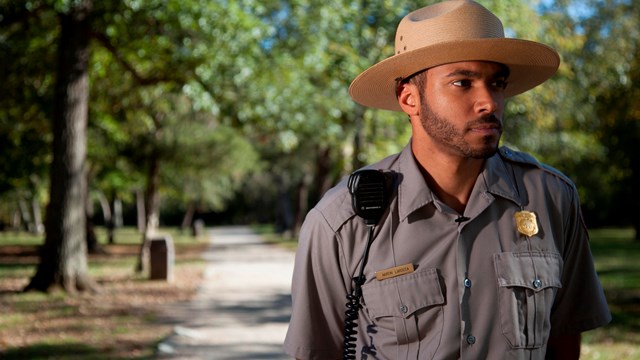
(467, 283)
(471, 339)
(404, 309)
(537, 283)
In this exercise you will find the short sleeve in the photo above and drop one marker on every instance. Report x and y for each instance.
(318, 293)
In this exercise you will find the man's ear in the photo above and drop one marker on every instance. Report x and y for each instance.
(409, 98)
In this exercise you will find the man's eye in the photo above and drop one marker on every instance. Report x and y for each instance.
(500, 84)
(462, 83)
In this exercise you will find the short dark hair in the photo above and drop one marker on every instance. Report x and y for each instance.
(417, 78)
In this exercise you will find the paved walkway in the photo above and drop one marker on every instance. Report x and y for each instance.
(242, 308)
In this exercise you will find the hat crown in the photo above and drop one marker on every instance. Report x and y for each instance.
(448, 21)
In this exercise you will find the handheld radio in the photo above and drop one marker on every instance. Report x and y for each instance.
(369, 191)
(368, 194)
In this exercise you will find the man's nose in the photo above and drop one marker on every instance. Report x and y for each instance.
(488, 100)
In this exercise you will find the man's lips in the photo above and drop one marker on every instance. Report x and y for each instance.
(488, 124)
(486, 128)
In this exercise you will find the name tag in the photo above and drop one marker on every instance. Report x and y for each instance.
(394, 271)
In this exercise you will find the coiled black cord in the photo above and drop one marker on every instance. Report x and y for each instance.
(350, 323)
(354, 305)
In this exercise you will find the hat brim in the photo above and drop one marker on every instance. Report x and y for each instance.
(530, 64)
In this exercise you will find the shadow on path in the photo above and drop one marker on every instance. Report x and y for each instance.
(242, 307)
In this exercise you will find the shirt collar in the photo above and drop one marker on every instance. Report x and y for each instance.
(500, 180)
(414, 193)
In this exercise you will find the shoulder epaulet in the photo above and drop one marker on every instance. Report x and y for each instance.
(517, 156)
(524, 158)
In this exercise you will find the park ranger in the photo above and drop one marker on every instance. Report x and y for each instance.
(478, 251)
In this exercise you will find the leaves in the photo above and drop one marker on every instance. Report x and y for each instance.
(220, 87)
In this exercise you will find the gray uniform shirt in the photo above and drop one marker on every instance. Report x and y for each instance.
(480, 289)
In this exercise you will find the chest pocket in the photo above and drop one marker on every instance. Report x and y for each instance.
(527, 286)
(407, 309)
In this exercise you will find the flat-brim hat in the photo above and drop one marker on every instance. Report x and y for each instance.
(448, 32)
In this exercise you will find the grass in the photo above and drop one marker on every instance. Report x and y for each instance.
(617, 261)
(122, 320)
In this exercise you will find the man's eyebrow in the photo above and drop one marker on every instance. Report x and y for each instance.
(504, 72)
(465, 73)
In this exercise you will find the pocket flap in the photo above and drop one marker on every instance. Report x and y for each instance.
(533, 270)
(403, 295)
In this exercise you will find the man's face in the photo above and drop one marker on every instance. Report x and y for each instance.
(462, 106)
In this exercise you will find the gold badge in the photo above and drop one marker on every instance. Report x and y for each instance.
(526, 222)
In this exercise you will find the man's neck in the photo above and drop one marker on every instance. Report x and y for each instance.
(450, 177)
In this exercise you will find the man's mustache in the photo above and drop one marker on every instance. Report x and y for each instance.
(486, 120)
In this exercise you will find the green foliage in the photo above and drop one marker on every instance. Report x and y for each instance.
(584, 121)
(266, 83)
(25, 99)
(210, 166)
(606, 71)
(174, 114)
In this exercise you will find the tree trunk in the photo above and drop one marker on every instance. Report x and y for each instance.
(118, 221)
(635, 192)
(324, 175)
(93, 246)
(285, 216)
(634, 161)
(25, 215)
(152, 205)
(105, 207)
(63, 259)
(37, 216)
(303, 204)
(140, 211)
(16, 220)
(187, 219)
(153, 198)
(30, 215)
(107, 216)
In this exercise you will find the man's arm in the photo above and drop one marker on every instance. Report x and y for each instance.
(563, 347)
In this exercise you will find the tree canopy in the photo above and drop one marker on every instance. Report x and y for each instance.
(245, 103)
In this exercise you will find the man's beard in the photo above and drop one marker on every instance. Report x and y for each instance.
(444, 133)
